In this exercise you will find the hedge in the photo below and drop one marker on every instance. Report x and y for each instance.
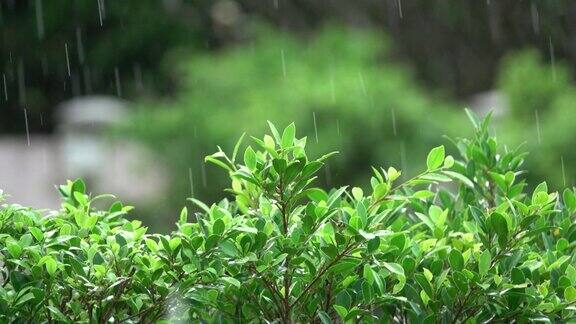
(462, 242)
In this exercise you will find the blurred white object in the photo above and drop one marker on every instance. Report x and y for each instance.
(80, 149)
(81, 126)
(484, 102)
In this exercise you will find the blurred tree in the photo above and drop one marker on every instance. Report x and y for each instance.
(53, 50)
(339, 87)
(454, 45)
(542, 104)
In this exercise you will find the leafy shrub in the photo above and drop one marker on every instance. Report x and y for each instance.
(542, 114)
(339, 86)
(284, 250)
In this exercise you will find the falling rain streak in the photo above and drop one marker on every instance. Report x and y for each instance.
(101, 11)
(191, 182)
(552, 58)
(27, 129)
(338, 126)
(203, 170)
(535, 18)
(362, 83)
(400, 9)
(39, 19)
(67, 59)
(21, 83)
(117, 79)
(80, 45)
(283, 63)
(563, 171)
(393, 122)
(537, 126)
(5, 86)
(315, 127)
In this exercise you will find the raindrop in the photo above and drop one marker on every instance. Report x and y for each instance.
(400, 9)
(80, 45)
(535, 18)
(67, 59)
(328, 175)
(315, 127)
(117, 79)
(5, 86)
(276, 4)
(39, 19)
(552, 58)
(101, 12)
(537, 126)
(338, 126)
(21, 83)
(563, 171)
(138, 77)
(191, 182)
(393, 122)
(362, 84)
(283, 63)
(203, 170)
(27, 129)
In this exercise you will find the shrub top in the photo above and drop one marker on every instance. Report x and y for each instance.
(460, 242)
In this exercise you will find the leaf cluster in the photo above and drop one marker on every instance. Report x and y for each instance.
(461, 242)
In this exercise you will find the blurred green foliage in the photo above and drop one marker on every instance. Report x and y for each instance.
(369, 109)
(542, 114)
(51, 51)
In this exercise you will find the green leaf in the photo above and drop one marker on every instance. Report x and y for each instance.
(218, 227)
(500, 227)
(570, 294)
(325, 318)
(51, 266)
(288, 136)
(395, 268)
(37, 233)
(342, 311)
(14, 248)
(569, 199)
(233, 281)
(456, 260)
(435, 158)
(484, 262)
(274, 131)
(237, 147)
(459, 177)
(250, 158)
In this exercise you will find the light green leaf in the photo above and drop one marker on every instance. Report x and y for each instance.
(51, 266)
(435, 158)
(288, 136)
(250, 158)
(570, 294)
(484, 262)
(456, 260)
(342, 311)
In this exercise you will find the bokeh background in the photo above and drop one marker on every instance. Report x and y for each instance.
(131, 95)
